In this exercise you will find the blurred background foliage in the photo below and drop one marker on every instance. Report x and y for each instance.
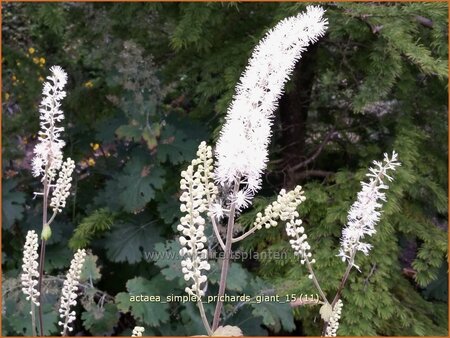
(149, 81)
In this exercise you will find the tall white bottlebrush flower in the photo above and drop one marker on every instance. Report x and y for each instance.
(30, 266)
(242, 147)
(365, 213)
(69, 291)
(196, 199)
(62, 187)
(333, 323)
(48, 154)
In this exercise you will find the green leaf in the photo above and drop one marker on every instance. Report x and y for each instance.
(175, 147)
(103, 197)
(167, 257)
(169, 209)
(12, 203)
(275, 315)
(237, 277)
(152, 313)
(129, 132)
(18, 316)
(57, 256)
(138, 184)
(106, 128)
(90, 270)
(129, 241)
(100, 321)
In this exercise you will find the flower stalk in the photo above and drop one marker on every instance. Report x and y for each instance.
(225, 263)
(362, 217)
(48, 163)
(242, 153)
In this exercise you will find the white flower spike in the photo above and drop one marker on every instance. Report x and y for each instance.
(48, 150)
(364, 214)
(241, 150)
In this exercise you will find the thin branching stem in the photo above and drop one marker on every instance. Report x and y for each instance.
(216, 231)
(33, 319)
(226, 261)
(245, 235)
(344, 278)
(314, 279)
(51, 218)
(204, 319)
(42, 254)
(341, 285)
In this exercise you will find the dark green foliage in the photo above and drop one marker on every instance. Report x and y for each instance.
(149, 81)
(12, 203)
(100, 321)
(127, 240)
(152, 313)
(99, 221)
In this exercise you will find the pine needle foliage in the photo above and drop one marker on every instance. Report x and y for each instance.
(96, 223)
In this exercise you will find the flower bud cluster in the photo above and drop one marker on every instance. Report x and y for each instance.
(30, 266)
(299, 242)
(63, 185)
(195, 200)
(69, 291)
(137, 331)
(205, 169)
(333, 323)
(284, 208)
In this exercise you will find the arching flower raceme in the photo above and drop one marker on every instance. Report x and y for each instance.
(69, 291)
(241, 150)
(30, 266)
(365, 213)
(48, 150)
